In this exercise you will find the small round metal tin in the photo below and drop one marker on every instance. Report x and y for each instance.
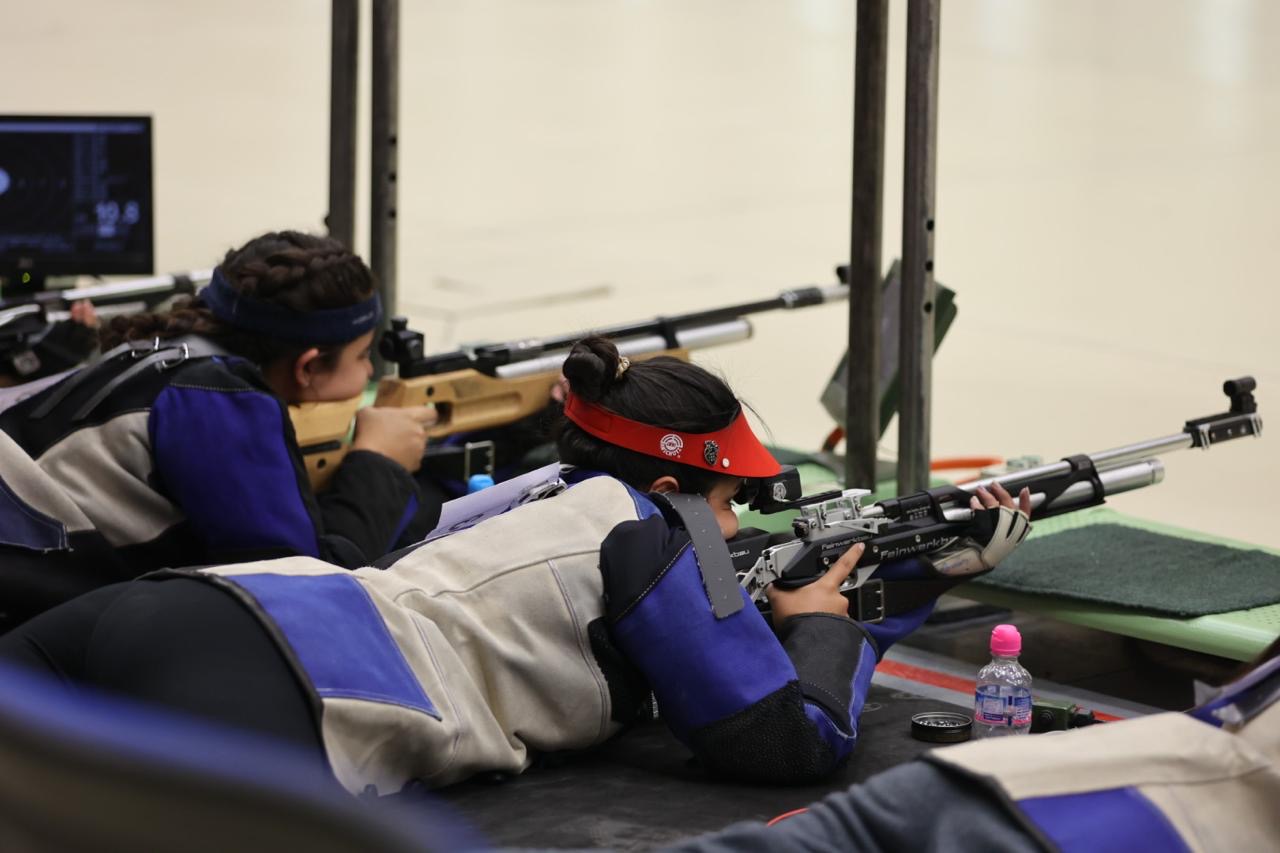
(941, 727)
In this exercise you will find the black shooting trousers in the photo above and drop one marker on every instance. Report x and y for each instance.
(178, 643)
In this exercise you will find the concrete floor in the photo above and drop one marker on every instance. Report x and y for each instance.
(1107, 176)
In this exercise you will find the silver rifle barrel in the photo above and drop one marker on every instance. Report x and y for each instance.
(695, 337)
(1115, 481)
(1120, 469)
(133, 287)
(1125, 478)
(9, 315)
(1102, 461)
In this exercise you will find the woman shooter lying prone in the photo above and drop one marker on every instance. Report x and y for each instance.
(540, 629)
(177, 443)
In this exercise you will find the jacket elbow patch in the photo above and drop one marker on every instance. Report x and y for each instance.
(828, 652)
(784, 745)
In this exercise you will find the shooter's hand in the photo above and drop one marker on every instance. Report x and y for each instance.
(998, 526)
(398, 434)
(820, 596)
(999, 496)
(82, 312)
(560, 391)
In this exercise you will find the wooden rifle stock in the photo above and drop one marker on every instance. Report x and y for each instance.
(323, 433)
(466, 400)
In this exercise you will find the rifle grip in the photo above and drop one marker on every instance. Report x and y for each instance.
(322, 431)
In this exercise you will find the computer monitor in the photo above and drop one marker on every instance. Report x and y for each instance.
(75, 198)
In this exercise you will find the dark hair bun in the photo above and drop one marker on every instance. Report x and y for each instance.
(591, 368)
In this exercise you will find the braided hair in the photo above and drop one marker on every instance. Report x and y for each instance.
(662, 391)
(303, 272)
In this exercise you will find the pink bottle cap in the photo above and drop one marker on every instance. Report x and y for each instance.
(1005, 641)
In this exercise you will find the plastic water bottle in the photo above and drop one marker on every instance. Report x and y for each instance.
(1002, 701)
(478, 482)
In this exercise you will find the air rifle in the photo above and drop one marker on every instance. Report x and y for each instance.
(30, 346)
(497, 384)
(827, 524)
(134, 293)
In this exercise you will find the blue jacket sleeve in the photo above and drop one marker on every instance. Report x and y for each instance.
(224, 452)
(753, 705)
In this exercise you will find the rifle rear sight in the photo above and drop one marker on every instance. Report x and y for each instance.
(818, 513)
(783, 491)
(405, 347)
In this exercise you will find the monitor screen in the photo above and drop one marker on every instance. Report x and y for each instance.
(75, 196)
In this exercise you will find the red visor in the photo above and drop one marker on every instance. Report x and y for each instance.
(734, 450)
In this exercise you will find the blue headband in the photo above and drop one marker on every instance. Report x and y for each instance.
(324, 326)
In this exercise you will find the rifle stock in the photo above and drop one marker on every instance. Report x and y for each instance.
(323, 433)
(465, 400)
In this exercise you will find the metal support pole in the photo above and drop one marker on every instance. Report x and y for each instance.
(862, 397)
(385, 119)
(915, 362)
(344, 51)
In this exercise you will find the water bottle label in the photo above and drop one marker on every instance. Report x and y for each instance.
(989, 706)
(1020, 708)
(996, 707)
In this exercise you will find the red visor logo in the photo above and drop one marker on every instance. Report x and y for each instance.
(671, 444)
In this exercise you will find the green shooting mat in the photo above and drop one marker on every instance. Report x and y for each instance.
(1103, 557)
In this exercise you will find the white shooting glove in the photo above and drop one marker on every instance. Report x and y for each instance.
(992, 535)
